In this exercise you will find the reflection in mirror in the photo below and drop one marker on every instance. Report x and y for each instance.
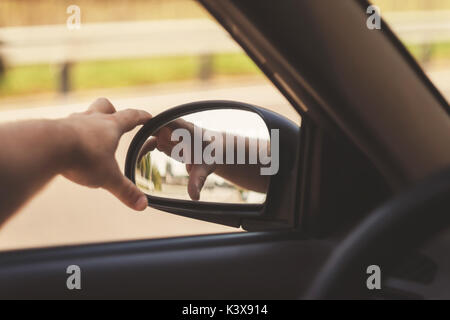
(213, 156)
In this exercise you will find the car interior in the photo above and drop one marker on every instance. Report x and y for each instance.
(364, 180)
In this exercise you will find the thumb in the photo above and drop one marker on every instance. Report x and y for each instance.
(127, 192)
(148, 146)
(197, 178)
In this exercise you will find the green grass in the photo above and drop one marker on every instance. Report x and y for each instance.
(28, 80)
(234, 64)
(111, 74)
(24, 80)
(120, 73)
(438, 51)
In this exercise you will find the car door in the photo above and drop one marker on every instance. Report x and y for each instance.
(351, 160)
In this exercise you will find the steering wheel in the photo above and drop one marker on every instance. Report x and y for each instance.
(383, 237)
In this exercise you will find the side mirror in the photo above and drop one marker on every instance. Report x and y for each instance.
(219, 161)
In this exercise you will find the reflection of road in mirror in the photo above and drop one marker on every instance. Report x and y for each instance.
(239, 148)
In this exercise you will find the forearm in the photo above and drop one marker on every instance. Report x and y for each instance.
(81, 147)
(31, 154)
(248, 174)
(245, 175)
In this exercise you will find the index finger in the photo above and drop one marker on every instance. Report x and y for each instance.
(130, 118)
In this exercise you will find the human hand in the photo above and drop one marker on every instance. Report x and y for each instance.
(94, 135)
(162, 140)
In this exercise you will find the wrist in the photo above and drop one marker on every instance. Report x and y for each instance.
(66, 143)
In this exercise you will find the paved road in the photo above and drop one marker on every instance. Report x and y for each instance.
(65, 213)
(255, 91)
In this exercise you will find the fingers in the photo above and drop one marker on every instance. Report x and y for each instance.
(148, 146)
(130, 118)
(102, 105)
(127, 119)
(197, 178)
(124, 190)
(181, 123)
(164, 141)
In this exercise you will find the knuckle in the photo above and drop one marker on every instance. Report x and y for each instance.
(103, 100)
(104, 104)
(132, 113)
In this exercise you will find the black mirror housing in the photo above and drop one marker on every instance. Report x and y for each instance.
(274, 213)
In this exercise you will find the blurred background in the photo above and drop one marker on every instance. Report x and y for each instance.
(149, 54)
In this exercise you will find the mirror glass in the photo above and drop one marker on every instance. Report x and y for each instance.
(212, 156)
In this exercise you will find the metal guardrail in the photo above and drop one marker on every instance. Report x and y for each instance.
(420, 27)
(120, 40)
(56, 44)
